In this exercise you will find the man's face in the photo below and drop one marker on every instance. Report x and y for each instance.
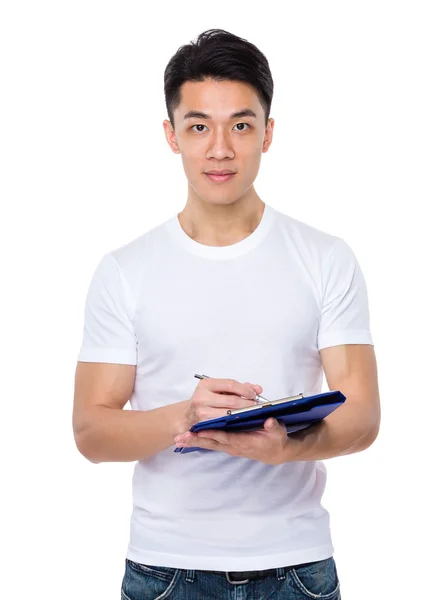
(219, 142)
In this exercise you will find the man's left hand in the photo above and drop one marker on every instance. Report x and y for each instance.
(266, 445)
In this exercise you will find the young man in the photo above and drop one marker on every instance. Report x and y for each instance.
(259, 302)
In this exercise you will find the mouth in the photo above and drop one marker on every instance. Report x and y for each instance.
(220, 178)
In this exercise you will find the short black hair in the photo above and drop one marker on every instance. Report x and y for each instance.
(219, 55)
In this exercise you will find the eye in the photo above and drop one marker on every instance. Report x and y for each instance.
(201, 125)
(247, 125)
(198, 125)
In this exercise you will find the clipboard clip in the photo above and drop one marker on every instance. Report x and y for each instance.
(237, 411)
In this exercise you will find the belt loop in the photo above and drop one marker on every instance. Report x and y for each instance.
(281, 573)
(234, 581)
(190, 576)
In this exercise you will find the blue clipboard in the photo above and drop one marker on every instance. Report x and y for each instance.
(296, 412)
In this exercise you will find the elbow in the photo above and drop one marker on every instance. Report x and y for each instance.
(85, 449)
(371, 435)
(84, 437)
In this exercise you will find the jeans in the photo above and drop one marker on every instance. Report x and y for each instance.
(315, 581)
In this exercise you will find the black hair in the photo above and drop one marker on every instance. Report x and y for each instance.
(219, 55)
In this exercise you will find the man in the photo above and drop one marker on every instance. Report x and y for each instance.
(237, 290)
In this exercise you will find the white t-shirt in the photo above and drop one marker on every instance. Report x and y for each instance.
(258, 310)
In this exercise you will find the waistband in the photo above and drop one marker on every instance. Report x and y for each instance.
(240, 577)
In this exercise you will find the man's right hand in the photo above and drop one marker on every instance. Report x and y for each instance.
(212, 398)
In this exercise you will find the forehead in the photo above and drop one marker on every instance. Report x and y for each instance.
(217, 98)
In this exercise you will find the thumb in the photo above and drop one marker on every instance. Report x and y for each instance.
(257, 388)
(270, 424)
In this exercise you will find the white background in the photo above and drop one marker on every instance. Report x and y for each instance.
(85, 168)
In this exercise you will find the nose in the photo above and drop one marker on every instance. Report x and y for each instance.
(220, 146)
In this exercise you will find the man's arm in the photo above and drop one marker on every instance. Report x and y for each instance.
(103, 431)
(351, 369)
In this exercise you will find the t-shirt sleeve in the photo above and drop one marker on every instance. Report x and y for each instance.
(108, 332)
(344, 315)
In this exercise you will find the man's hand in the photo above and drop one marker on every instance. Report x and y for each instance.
(267, 445)
(213, 397)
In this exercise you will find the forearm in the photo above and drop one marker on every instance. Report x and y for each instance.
(344, 431)
(115, 435)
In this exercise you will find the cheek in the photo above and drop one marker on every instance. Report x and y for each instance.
(193, 165)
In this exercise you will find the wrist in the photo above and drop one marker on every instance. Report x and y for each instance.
(290, 450)
(303, 445)
(182, 422)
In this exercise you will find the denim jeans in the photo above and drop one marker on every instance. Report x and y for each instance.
(315, 581)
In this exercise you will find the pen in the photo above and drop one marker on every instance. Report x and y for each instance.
(258, 398)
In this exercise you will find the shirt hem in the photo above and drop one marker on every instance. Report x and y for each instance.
(344, 337)
(108, 355)
(223, 563)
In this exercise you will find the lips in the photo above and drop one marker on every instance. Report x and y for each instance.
(221, 172)
(219, 178)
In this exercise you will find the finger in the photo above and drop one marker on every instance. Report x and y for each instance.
(270, 424)
(209, 444)
(182, 438)
(231, 401)
(257, 388)
(222, 437)
(196, 442)
(234, 439)
(206, 412)
(229, 386)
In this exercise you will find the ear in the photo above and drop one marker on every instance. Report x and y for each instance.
(170, 136)
(268, 135)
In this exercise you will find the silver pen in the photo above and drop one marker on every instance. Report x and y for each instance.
(258, 397)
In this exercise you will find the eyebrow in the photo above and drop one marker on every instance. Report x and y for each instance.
(195, 114)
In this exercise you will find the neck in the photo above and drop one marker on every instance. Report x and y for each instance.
(219, 224)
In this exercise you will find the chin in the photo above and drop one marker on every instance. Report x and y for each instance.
(217, 201)
(220, 199)
(217, 197)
